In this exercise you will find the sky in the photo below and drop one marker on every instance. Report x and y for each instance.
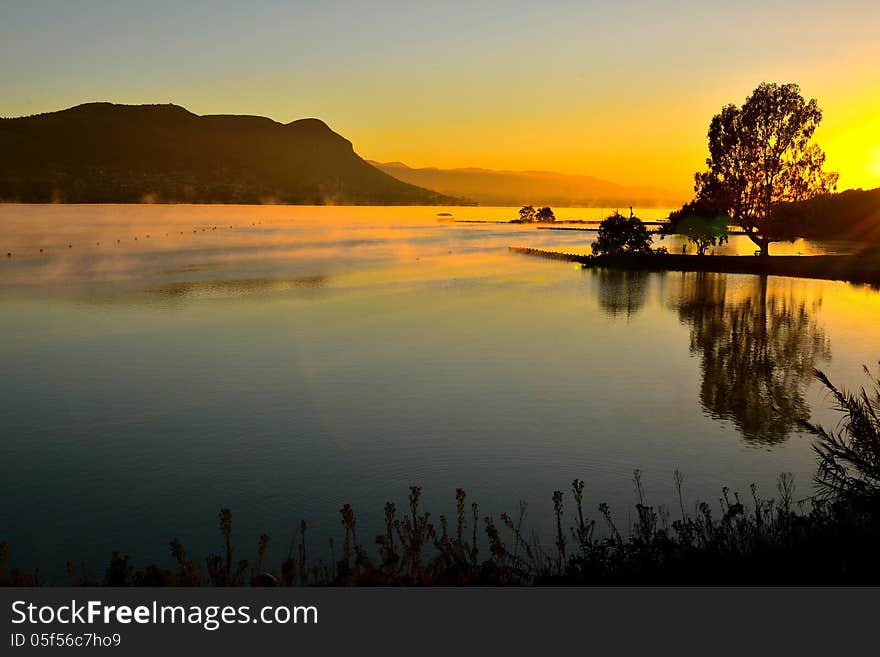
(622, 90)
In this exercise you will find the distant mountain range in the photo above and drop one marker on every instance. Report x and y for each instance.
(106, 153)
(490, 187)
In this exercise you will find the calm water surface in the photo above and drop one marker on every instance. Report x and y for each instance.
(161, 362)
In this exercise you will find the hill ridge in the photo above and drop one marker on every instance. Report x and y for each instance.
(102, 152)
(512, 187)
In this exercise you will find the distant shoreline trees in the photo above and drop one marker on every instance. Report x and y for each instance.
(528, 214)
(545, 214)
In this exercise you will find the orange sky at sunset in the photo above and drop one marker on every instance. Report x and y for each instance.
(623, 92)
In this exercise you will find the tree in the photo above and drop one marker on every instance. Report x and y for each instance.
(703, 233)
(619, 234)
(527, 213)
(545, 214)
(709, 204)
(761, 156)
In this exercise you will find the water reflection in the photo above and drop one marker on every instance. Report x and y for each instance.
(621, 292)
(758, 346)
(235, 287)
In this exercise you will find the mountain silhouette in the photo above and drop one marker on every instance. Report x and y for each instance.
(108, 153)
(492, 187)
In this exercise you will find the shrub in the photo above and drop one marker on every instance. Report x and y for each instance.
(619, 234)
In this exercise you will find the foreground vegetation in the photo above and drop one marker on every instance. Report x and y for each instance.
(830, 537)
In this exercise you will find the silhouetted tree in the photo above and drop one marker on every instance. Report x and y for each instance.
(761, 155)
(709, 204)
(527, 213)
(703, 233)
(545, 214)
(619, 234)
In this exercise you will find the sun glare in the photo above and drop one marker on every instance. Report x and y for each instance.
(874, 164)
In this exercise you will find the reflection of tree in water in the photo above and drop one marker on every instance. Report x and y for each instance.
(758, 352)
(621, 292)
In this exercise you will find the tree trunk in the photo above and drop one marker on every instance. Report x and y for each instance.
(762, 243)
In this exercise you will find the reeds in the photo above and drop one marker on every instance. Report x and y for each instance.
(849, 458)
(764, 541)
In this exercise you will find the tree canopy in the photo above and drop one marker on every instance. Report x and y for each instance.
(527, 213)
(545, 214)
(761, 155)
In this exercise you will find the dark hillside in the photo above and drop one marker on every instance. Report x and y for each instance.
(105, 153)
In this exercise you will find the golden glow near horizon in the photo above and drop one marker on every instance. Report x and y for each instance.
(623, 92)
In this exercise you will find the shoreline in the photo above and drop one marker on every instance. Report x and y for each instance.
(595, 229)
(857, 268)
(559, 224)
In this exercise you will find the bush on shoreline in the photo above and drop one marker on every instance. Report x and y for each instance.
(621, 235)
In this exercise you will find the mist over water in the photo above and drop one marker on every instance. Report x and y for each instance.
(161, 362)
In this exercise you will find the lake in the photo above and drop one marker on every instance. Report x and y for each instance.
(162, 362)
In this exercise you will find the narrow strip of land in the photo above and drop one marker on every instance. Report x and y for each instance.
(858, 268)
(595, 229)
(555, 225)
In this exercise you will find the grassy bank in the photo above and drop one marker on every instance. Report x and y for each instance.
(859, 268)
